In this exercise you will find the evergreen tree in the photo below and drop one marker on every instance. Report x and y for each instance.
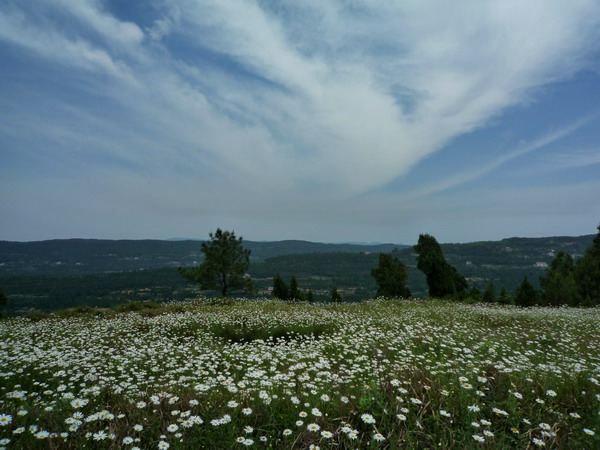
(295, 293)
(443, 279)
(526, 295)
(391, 277)
(310, 297)
(225, 264)
(558, 284)
(280, 289)
(489, 295)
(504, 297)
(587, 273)
(335, 296)
(3, 301)
(474, 294)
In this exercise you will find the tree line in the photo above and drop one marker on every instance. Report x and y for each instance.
(566, 282)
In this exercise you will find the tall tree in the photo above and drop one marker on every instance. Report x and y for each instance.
(310, 297)
(526, 295)
(390, 276)
(3, 301)
(225, 264)
(295, 293)
(587, 273)
(443, 279)
(489, 295)
(558, 283)
(280, 289)
(335, 296)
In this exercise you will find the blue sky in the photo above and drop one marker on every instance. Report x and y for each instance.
(326, 121)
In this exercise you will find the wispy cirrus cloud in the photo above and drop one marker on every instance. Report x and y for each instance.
(254, 100)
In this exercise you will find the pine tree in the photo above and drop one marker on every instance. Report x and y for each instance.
(489, 295)
(443, 280)
(3, 301)
(526, 295)
(559, 286)
(391, 277)
(294, 292)
(280, 289)
(335, 296)
(587, 273)
(225, 264)
(504, 297)
(310, 297)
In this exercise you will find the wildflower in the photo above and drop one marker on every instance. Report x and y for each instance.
(401, 417)
(248, 429)
(248, 442)
(367, 418)
(488, 433)
(263, 439)
(550, 393)
(327, 434)
(232, 404)
(589, 432)
(325, 397)
(475, 424)
(247, 411)
(22, 412)
(163, 444)
(127, 440)
(140, 405)
(303, 414)
(545, 426)
(416, 401)
(100, 435)
(240, 439)
(500, 412)
(478, 437)
(5, 419)
(287, 432)
(313, 427)
(172, 428)
(518, 395)
(378, 437)
(316, 412)
(538, 442)
(474, 408)
(445, 413)
(138, 427)
(487, 423)
(42, 434)
(575, 415)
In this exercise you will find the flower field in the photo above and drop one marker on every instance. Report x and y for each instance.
(265, 374)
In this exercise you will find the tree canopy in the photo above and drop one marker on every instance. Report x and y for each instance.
(443, 279)
(391, 275)
(225, 264)
(587, 273)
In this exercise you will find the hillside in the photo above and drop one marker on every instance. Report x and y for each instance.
(91, 256)
(103, 273)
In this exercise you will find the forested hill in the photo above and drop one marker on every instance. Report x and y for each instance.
(87, 256)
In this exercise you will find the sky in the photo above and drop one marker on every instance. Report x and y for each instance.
(336, 121)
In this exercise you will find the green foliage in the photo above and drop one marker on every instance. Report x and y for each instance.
(295, 293)
(587, 273)
(310, 297)
(489, 295)
(280, 289)
(225, 264)
(559, 286)
(391, 277)
(248, 333)
(3, 301)
(335, 296)
(526, 295)
(443, 280)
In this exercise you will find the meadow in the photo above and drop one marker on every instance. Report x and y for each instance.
(266, 374)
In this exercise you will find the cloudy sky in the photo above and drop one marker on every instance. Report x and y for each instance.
(329, 121)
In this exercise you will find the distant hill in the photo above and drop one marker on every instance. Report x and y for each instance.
(94, 256)
(50, 275)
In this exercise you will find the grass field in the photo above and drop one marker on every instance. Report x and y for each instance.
(264, 374)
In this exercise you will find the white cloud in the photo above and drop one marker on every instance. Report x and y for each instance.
(315, 101)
